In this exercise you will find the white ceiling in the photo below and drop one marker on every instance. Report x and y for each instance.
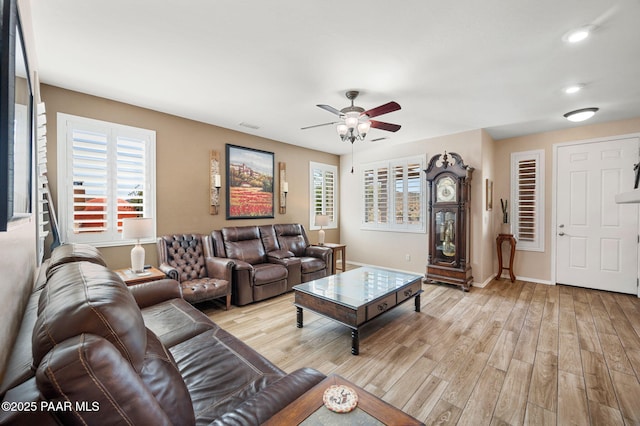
(452, 66)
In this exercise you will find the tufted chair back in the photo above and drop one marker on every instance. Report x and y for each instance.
(187, 258)
(184, 253)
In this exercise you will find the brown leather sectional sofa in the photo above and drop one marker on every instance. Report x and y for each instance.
(269, 259)
(93, 351)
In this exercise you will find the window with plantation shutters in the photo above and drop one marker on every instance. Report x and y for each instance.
(393, 195)
(106, 174)
(324, 183)
(527, 172)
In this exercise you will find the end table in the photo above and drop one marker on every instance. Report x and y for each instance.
(130, 278)
(342, 248)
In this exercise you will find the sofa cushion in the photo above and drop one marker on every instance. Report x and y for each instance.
(266, 273)
(244, 243)
(292, 237)
(19, 368)
(83, 297)
(161, 376)
(221, 372)
(68, 253)
(87, 368)
(202, 289)
(176, 321)
(312, 264)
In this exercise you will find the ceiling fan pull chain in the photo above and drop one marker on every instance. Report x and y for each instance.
(351, 157)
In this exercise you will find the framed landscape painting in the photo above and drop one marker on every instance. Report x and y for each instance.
(250, 175)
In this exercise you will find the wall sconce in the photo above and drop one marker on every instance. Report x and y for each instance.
(214, 181)
(284, 188)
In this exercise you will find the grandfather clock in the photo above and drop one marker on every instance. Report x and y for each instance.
(449, 249)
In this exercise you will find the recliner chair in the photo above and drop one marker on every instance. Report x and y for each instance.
(187, 259)
(315, 261)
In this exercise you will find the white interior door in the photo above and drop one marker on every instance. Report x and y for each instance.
(596, 239)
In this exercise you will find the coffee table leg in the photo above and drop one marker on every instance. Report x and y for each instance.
(417, 300)
(298, 317)
(355, 342)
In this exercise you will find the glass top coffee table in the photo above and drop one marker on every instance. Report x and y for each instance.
(355, 297)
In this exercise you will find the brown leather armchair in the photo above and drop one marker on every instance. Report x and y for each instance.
(187, 259)
(315, 261)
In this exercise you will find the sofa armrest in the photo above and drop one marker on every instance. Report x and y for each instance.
(170, 271)
(279, 254)
(319, 252)
(263, 405)
(218, 267)
(154, 292)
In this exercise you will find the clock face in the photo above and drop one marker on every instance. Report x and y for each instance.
(445, 190)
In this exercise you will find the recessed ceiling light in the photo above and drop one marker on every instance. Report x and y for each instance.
(578, 35)
(575, 88)
(581, 114)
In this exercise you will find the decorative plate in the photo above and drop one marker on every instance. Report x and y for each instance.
(340, 398)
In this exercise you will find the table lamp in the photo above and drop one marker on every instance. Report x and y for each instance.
(137, 229)
(321, 220)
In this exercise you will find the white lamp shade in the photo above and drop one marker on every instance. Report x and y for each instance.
(137, 228)
(322, 220)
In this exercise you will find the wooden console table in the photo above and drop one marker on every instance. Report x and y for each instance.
(512, 241)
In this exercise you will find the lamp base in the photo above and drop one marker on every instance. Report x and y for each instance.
(137, 258)
(321, 237)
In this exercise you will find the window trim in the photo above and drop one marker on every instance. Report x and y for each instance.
(538, 156)
(324, 168)
(65, 123)
(390, 225)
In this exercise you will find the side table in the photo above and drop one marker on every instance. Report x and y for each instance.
(130, 278)
(342, 248)
(512, 241)
(309, 409)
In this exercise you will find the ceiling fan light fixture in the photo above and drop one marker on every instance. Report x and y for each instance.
(351, 120)
(580, 114)
(363, 128)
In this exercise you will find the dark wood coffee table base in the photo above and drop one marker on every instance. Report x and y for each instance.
(336, 312)
(311, 402)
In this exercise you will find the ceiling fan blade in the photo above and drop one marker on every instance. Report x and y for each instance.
(331, 109)
(382, 109)
(379, 139)
(318, 125)
(389, 127)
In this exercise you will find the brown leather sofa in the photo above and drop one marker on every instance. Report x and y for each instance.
(93, 351)
(269, 259)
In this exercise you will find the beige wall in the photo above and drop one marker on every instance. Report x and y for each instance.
(536, 266)
(389, 249)
(182, 167)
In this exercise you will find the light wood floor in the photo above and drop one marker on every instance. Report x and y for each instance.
(518, 353)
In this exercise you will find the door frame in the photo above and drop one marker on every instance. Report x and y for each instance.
(554, 194)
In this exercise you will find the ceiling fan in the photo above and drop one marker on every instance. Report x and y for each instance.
(356, 122)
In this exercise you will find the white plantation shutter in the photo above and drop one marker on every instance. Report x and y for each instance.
(382, 196)
(106, 174)
(527, 173)
(324, 183)
(393, 195)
